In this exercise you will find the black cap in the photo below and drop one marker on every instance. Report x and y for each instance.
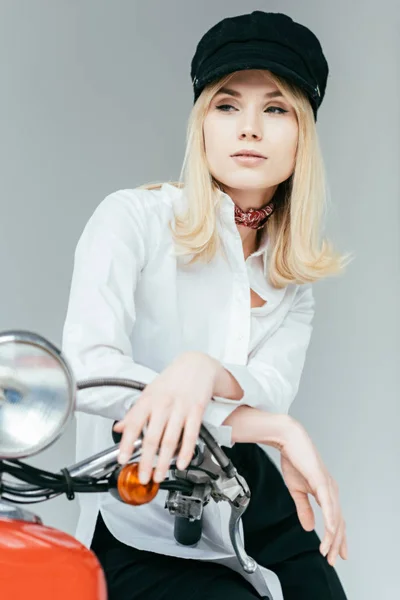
(262, 40)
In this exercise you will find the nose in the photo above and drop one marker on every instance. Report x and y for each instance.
(249, 126)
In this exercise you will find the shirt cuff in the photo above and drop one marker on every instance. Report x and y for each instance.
(252, 389)
(215, 414)
(253, 392)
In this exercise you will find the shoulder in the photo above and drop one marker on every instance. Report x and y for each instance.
(136, 209)
(138, 203)
(130, 221)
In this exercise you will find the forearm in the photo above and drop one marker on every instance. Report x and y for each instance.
(253, 425)
(248, 424)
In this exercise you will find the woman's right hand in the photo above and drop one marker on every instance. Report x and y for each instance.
(171, 409)
(302, 468)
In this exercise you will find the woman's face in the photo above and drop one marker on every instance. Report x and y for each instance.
(250, 114)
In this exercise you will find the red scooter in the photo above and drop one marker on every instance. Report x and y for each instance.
(37, 399)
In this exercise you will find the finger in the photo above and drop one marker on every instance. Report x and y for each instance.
(304, 510)
(190, 437)
(334, 551)
(343, 547)
(151, 443)
(334, 494)
(324, 499)
(131, 429)
(169, 443)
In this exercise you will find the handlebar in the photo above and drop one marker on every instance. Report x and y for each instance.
(210, 475)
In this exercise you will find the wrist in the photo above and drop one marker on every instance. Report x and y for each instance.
(277, 429)
(213, 369)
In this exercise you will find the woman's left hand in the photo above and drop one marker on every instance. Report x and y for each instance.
(305, 473)
(302, 468)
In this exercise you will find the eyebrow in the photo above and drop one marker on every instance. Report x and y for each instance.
(236, 94)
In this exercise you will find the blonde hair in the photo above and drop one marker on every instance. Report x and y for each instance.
(297, 254)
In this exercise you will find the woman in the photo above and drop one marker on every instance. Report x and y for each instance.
(202, 290)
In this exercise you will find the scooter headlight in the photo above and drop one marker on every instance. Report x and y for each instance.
(37, 394)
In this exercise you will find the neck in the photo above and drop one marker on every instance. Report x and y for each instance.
(247, 199)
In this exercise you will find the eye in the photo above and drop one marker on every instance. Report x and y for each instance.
(282, 111)
(229, 108)
(225, 107)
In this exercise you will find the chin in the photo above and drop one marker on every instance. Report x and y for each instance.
(249, 182)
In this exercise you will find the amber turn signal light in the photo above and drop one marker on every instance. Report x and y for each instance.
(131, 490)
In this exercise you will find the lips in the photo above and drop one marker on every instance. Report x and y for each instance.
(249, 153)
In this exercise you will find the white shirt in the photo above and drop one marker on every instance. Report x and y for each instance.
(134, 307)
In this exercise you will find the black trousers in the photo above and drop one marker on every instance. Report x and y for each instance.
(273, 537)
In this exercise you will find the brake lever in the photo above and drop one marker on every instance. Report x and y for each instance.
(238, 508)
(236, 492)
(249, 565)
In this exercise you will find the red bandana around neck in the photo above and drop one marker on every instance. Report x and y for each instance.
(254, 218)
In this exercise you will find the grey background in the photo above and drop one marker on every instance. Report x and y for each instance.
(95, 98)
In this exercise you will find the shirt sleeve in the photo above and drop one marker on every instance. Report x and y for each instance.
(109, 257)
(271, 378)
